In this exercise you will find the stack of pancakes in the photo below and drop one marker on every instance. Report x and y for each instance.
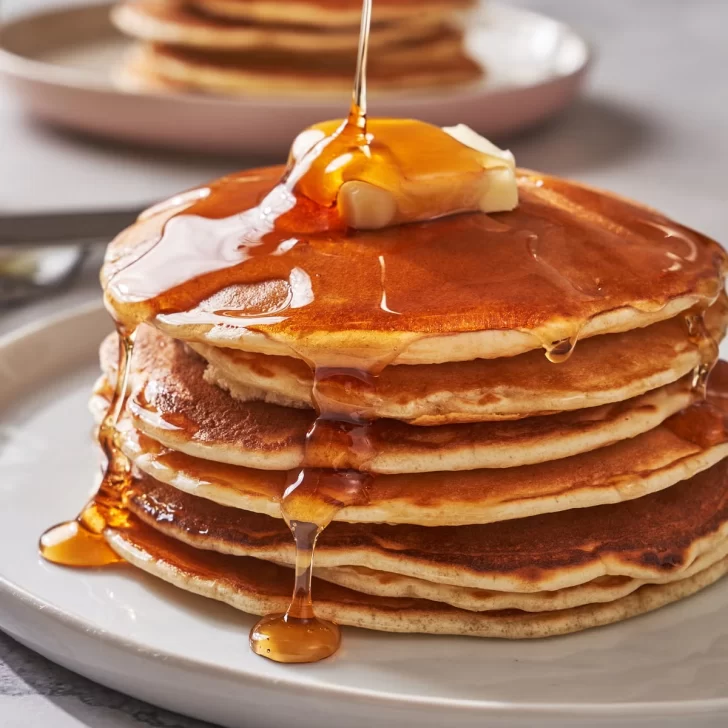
(291, 46)
(512, 496)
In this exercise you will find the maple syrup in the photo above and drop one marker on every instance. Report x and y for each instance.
(707, 349)
(81, 542)
(313, 496)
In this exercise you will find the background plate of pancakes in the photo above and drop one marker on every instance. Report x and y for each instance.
(142, 636)
(246, 76)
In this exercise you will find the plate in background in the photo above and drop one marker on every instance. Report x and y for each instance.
(59, 64)
(136, 634)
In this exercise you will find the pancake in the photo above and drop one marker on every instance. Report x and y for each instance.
(258, 587)
(429, 63)
(135, 76)
(570, 262)
(629, 469)
(172, 404)
(159, 21)
(483, 389)
(327, 12)
(645, 538)
(599, 591)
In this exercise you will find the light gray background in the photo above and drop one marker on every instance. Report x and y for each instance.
(653, 125)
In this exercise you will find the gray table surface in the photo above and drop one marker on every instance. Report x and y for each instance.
(653, 125)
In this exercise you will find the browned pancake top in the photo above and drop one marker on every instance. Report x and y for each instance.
(354, 5)
(567, 253)
(191, 16)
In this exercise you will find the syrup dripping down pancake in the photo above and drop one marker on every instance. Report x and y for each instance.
(645, 538)
(629, 469)
(427, 63)
(258, 587)
(327, 12)
(159, 21)
(602, 370)
(173, 404)
(568, 262)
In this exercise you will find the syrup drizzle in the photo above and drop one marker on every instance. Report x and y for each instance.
(81, 542)
(313, 496)
(707, 348)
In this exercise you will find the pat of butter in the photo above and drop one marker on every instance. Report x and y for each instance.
(501, 194)
(488, 184)
(406, 171)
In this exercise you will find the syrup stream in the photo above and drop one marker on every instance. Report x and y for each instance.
(313, 496)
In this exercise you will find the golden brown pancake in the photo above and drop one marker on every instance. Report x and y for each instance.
(131, 75)
(598, 591)
(629, 469)
(569, 261)
(680, 448)
(160, 21)
(602, 370)
(428, 63)
(173, 404)
(258, 587)
(646, 538)
(327, 12)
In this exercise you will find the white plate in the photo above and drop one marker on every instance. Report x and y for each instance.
(138, 635)
(59, 64)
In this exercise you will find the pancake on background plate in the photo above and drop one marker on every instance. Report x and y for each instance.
(293, 47)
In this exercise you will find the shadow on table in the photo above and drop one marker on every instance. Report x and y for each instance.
(212, 163)
(592, 134)
(25, 673)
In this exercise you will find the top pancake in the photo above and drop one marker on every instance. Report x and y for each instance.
(326, 12)
(159, 21)
(569, 262)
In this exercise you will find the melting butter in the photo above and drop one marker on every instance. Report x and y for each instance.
(402, 171)
(501, 194)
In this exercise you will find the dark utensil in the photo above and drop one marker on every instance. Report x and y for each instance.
(61, 228)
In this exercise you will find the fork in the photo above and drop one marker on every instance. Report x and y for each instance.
(43, 253)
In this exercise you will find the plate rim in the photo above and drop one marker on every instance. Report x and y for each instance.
(485, 708)
(14, 67)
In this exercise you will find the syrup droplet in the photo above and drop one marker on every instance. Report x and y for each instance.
(297, 635)
(558, 352)
(707, 347)
(310, 502)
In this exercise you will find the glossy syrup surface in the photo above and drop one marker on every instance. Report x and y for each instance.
(81, 542)
(545, 268)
